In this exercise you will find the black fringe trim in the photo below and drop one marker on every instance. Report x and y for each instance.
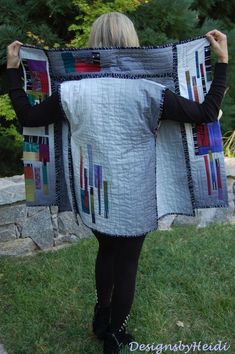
(71, 175)
(70, 162)
(161, 104)
(175, 69)
(113, 48)
(116, 235)
(57, 144)
(224, 205)
(156, 132)
(185, 214)
(62, 78)
(188, 166)
(183, 133)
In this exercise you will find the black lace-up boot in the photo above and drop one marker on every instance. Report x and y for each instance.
(116, 341)
(100, 321)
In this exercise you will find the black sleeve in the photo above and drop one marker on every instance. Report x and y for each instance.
(184, 110)
(42, 114)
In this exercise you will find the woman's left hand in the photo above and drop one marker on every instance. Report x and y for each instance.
(219, 44)
(13, 60)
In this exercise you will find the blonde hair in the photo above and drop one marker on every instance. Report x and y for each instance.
(113, 30)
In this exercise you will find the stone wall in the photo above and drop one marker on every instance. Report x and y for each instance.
(24, 230)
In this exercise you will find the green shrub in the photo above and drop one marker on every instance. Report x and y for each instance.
(229, 144)
(10, 140)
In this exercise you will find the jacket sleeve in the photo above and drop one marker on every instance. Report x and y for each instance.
(42, 114)
(184, 110)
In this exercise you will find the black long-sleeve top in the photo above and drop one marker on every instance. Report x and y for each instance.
(175, 107)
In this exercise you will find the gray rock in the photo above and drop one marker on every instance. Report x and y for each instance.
(54, 220)
(2, 350)
(212, 215)
(73, 239)
(8, 232)
(231, 190)
(69, 224)
(186, 220)
(230, 166)
(56, 248)
(16, 179)
(54, 209)
(61, 239)
(18, 230)
(207, 216)
(12, 190)
(15, 213)
(18, 247)
(165, 222)
(231, 199)
(35, 210)
(84, 231)
(39, 228)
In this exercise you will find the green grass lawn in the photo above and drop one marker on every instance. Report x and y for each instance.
(186, 275)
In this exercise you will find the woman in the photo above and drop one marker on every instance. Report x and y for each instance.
(117, 259)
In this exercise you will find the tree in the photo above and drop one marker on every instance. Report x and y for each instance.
(216, 9)
(163, 21)
(38, 22)
(10, 139)
(156, 24)
(90, 10)
(222, 11)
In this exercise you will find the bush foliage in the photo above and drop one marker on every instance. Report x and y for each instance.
(10, 140)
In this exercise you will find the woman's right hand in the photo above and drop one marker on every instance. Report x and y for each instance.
(13, 60)
(218, 41)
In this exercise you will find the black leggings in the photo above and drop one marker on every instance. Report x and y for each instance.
(115, 274)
